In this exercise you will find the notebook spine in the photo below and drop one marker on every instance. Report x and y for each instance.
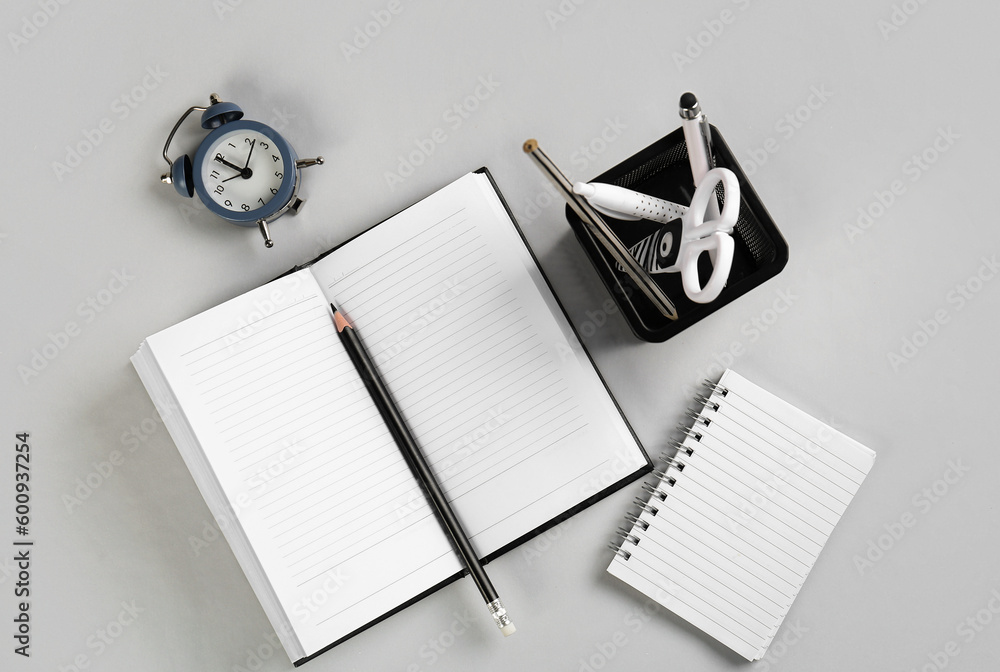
(667, 476)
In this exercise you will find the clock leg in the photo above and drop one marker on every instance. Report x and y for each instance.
(305, 163)
(264, 231)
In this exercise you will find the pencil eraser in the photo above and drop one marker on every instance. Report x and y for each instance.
(508, 630)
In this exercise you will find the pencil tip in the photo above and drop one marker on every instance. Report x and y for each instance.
(530, 146)
(340, 321)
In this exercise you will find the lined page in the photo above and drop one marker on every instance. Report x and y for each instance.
(729, 539)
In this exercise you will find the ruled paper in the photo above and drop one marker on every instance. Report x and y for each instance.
(484, 367)
(731, 537)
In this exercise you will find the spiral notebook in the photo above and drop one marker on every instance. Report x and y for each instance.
(740, 514)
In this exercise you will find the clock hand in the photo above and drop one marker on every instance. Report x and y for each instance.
(224, 162)
(239, 174)
(250, 153)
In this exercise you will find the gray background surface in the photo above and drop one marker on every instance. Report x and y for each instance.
(594, 82)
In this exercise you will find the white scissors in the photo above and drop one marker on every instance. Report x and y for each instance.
(685, 234)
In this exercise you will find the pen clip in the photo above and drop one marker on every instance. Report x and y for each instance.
(706, 132)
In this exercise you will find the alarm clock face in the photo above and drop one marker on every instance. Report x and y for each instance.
(244, 171)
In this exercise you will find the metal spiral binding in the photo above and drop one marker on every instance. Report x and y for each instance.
(681, 447)
(664, 476)
(689, 431)
(672, 462)
(716, 388)
(698, 417)
(636, 520)
(707, 401)
(627, 535)
(645, 506)
(619, 551)
(651, 489)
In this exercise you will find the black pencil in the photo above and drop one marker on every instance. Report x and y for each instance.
(411, 451)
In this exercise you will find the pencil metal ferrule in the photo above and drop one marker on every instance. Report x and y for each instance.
(499, 614)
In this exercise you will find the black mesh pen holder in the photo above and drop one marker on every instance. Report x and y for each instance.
(663, 170)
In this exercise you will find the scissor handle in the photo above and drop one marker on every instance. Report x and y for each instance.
(720, 247)
(698, 227)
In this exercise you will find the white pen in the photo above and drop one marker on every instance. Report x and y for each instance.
(627, 204)
(698, 138)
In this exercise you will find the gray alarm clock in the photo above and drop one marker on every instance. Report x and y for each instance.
(243, 171)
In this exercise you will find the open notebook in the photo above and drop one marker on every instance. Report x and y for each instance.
(285, 444)
(740, 516)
